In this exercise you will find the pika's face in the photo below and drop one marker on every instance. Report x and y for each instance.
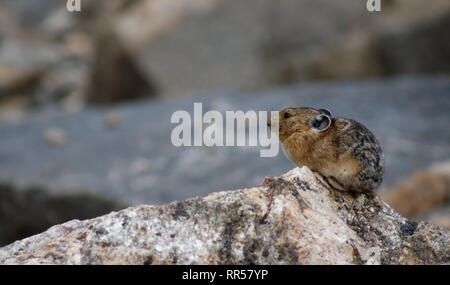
(302, 120)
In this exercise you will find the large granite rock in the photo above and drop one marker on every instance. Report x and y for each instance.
(291, 219)
(25, 213)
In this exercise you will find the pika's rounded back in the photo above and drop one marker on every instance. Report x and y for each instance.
(342, 150)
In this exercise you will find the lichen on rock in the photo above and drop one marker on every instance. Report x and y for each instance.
(292, 219)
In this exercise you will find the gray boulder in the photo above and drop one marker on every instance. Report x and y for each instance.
(291, 219)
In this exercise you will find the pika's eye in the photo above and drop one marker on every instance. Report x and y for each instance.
(287, 115)
(320, 123)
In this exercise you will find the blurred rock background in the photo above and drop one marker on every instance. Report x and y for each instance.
(86, 97)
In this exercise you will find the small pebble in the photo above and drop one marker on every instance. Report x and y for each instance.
(113, 119)
(55, 136)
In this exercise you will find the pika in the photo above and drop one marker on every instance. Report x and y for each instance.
(342, 150)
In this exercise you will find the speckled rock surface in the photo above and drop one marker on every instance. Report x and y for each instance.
(291, 219)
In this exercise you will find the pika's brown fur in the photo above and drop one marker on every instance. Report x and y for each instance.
(343, 151)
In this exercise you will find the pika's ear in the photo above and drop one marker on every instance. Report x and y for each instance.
(320, 122)
(326, 112)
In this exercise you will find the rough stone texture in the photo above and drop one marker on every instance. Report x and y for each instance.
(124, 152)
(32, 211)
(291, 219)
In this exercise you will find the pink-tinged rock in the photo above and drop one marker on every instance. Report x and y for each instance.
(292, 219)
